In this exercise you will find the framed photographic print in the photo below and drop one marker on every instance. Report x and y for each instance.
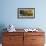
(26, 13)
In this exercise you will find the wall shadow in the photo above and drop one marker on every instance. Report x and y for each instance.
(2, 29)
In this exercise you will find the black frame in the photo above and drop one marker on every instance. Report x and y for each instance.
(20, 11)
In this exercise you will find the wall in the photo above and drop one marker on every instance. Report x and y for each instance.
(8, 13)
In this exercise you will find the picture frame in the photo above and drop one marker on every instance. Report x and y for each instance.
(26, 13)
